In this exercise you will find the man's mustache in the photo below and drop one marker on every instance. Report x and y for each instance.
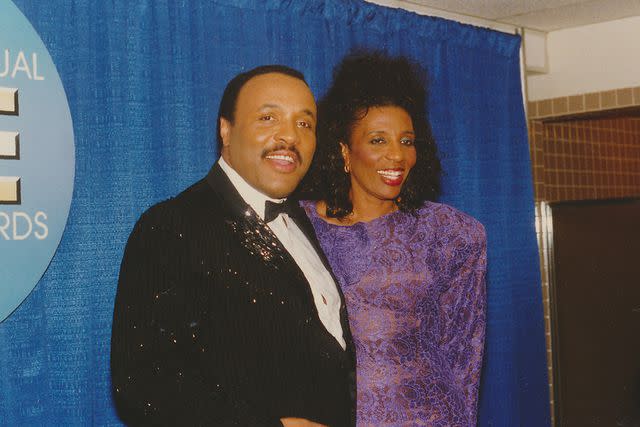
(282, 148)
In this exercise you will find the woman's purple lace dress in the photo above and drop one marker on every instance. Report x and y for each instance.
(415, 292)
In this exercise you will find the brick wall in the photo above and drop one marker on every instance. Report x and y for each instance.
(583, 147)
(585, 159)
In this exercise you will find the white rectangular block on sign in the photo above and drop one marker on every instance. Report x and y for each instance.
(9, 189)
(9, 145)
(8, 101)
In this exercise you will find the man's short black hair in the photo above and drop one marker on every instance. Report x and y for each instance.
(229, 99)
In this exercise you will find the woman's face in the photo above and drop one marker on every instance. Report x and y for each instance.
(380, 154)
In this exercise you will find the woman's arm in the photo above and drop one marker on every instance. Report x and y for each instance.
(463, 307)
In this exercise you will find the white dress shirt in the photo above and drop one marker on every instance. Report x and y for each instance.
(323, 288)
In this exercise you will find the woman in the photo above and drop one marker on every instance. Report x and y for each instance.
(412, 270)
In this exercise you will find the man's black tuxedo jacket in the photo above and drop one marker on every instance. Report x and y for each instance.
(215, 324)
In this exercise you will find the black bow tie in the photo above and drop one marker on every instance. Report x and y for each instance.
(273, 209)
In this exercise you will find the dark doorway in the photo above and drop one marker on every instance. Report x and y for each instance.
(596, 312)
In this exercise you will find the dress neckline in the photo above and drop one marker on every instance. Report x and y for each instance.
(311, 206)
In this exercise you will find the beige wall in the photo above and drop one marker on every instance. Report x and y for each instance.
(591, 58)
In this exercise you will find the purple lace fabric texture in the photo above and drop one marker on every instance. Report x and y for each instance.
(415, 292)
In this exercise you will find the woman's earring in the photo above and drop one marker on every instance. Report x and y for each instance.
(344, 150)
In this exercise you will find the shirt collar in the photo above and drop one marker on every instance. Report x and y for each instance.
(251, 196)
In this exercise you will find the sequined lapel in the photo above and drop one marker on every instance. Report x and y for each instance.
(258, 239)
(251, 231)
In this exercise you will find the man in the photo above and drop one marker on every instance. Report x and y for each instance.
(226, 312)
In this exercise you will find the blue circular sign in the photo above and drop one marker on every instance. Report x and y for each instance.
(37, 158)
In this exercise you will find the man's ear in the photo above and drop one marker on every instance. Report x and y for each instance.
(225, 130)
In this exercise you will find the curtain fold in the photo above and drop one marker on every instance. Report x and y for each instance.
(144, 79)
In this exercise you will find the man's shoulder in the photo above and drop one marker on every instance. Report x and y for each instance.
(187, 206)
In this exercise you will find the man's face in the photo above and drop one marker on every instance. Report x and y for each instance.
(273, 137)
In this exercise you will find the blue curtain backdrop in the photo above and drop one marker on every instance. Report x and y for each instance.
(143, 80)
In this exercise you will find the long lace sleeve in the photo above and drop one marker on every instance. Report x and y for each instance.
(463, 306)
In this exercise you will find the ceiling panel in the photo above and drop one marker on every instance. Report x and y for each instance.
(576, 15)
(545, 15)
(494, 9)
